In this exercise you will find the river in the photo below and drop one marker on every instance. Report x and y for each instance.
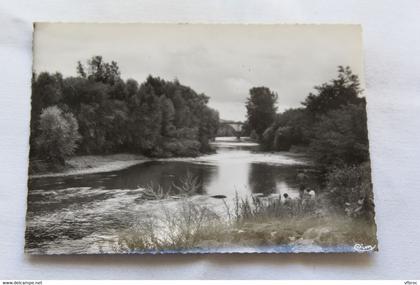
(84, 213)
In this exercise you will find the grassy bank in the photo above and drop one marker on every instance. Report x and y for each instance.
(86, 164)
(246, 223)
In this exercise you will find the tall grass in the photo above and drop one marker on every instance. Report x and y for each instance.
(249, 221)
(188, 185)
(185, 187)
(349, 190)
(262, 208)
(192, 226)
(185, 227)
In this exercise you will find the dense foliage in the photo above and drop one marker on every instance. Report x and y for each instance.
(156, 118)
(292, 127)
(340, 136)
(58, 134)
(350, 190)
(332, 125)
(261, 109)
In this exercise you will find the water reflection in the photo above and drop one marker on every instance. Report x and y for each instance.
(231, 176)
(152, 172)
(74, 213)
(267, 179)
(231, 170)
(261, 179)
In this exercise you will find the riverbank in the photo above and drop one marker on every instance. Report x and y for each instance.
(212, 226)
(86, 164)
(230, 200)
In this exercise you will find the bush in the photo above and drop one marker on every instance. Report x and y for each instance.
(58, 135)
(180, 147)
(184, 227)
(350, 190)
(266, 208)
(340, 137)
(277, 139)
(254, 223)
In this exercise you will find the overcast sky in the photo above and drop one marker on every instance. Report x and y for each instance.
(222, 61)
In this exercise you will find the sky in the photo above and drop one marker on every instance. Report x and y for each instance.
(221, 61)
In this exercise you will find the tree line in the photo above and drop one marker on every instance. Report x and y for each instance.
(97, 112)
(331, 124)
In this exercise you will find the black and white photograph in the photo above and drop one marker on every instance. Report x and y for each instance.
(198, 138)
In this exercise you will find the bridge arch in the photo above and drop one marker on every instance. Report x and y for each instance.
(236, 126)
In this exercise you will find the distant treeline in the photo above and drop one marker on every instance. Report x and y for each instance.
(331, 124)
(98, 112)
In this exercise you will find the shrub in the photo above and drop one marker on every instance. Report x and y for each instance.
(255, 223)
(350, 190)
(181, 147)
(265, 208)
(255, 220)
(185, 227)
(58, 135)
(340, 137)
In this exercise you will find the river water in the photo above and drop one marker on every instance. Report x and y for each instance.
(84, 213)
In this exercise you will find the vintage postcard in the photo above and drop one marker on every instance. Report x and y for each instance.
(198, 138)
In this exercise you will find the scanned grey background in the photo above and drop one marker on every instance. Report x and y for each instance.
(392, 72)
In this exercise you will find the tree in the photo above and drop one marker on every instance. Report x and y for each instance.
(292, 127)
(341, 138)
(46, 91)
(157, 118)
(343, 90)
(209, 124)
(132, 87)
(146, 120)
(277, 138)
(304, 126)
(168, 116)
(58, 135)
(100, 71)
(261, 109)
(118, 90)
(81, 70)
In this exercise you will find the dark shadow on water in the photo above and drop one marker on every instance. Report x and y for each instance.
(215, 179)
(261, 178)
(162, 172)
(266, 179)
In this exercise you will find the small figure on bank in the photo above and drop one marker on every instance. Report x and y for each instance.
(287, 198)
(311, 194)
(302, 178)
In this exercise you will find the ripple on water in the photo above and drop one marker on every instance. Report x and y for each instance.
(79, 212)
(88, 219)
